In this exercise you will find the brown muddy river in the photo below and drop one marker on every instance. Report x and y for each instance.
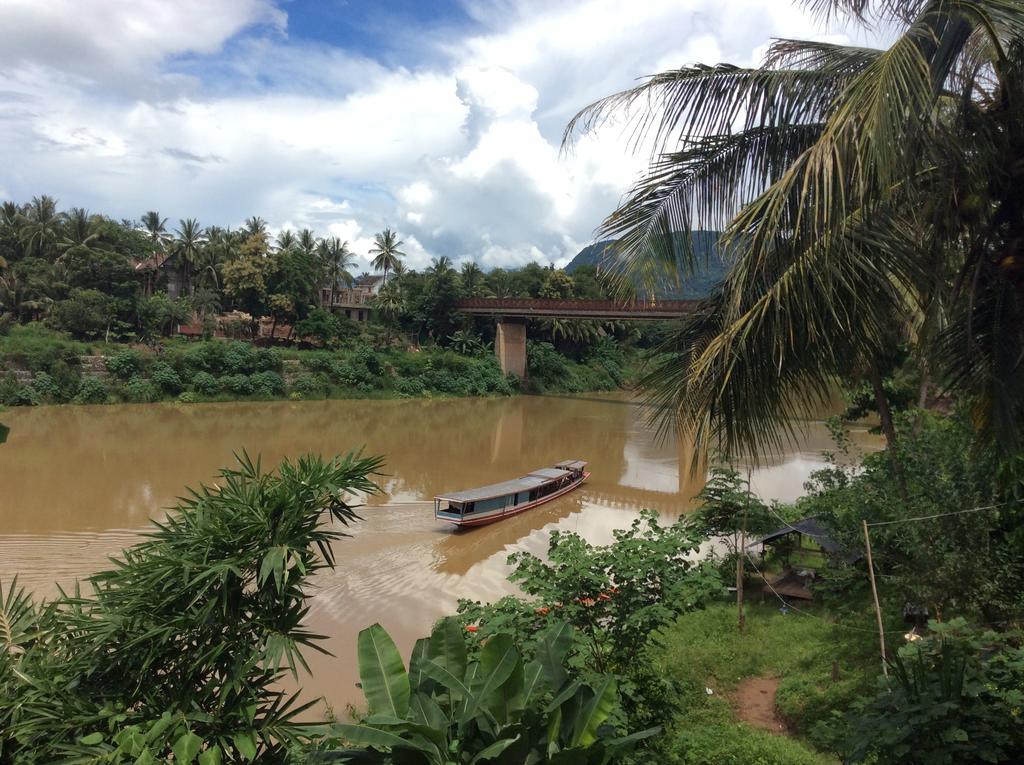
(77, 484)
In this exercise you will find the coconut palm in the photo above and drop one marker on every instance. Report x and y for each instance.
(859, 190)
(39, 227)
(385, 251)
(335, 260)
(255, 226)
(307, 242)
(473, 280)
(188, 246)
(156, 229)
(286, 240)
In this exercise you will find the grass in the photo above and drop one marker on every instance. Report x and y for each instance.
(704, 649)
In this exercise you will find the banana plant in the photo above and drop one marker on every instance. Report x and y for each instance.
(447, 710)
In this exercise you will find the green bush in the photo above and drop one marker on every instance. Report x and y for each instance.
(188, 397)
(267, 383)
(240, 358)
(132, 672)
(139, 390)
(92, 390)
(125, 364)
(311, 385)
(451, 708)
(165, 378)
(26, 395)
(953, 698)
(36, 348)
(47, 388)
(410, 386)
(240, 385)
(205, 384)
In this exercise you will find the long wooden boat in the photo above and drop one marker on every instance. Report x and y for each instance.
(487, 504)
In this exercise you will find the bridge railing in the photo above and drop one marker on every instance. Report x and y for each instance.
(572, 305)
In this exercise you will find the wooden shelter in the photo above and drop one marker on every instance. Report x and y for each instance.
(802, 548)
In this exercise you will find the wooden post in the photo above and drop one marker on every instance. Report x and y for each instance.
(878, 608)
(741, 552)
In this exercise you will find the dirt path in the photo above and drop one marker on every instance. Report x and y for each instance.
(754, 701)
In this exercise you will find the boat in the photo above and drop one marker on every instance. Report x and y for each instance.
(487, 504)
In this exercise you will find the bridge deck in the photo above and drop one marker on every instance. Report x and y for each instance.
(576, 309)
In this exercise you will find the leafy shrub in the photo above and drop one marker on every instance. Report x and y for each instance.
(449, 708)
(132, 678)
(47, 388)
(125, 364)
(617, 597)
(91, 391)
(188, 397)
(267, 360)
(410, 386)
(240, 385)
(955, 697)
(138, 390)
(37, 348)
(267, 383)
(311, 386)
(165, 378)
(240, 359)
(26, 395)
(205, 384)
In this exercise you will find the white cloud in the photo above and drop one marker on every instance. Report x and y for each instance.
(113, 106)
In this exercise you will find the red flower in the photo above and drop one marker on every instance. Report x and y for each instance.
(471, 628)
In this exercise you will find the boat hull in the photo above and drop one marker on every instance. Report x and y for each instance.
(498, 515)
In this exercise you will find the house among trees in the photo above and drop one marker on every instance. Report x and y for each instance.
(800, 549)
(163, 268)
(356, 301)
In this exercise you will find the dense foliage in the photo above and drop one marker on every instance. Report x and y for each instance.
(450, 708)
(615, 596)
(956, 698)
(177, 648)
(868, 198)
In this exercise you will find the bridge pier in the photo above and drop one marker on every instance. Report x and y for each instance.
(510, 346)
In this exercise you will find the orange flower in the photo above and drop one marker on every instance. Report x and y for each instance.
(543, 611)
(471, 628)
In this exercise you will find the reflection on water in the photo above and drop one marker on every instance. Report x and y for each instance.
(77, 484)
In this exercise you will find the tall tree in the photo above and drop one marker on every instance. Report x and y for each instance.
(385, 251)
(39, 225)
(156, 229)
(188, 246)
(856, 188)
(335, 260)
(286, 240)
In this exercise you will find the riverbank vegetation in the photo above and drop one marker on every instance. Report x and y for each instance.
(52, 371)
(77, 284)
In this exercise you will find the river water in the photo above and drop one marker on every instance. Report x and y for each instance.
(79, 483)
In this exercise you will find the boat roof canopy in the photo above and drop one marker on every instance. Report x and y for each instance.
(571, 465)
(527, 482)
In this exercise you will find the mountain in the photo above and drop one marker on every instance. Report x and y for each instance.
(711, 269)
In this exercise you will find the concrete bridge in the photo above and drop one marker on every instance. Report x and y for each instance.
(512, 313)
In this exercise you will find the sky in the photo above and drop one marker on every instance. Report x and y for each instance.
(439, 118)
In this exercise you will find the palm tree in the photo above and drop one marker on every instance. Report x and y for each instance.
(858, 189)
(39, 226)
(156, 228)
(473, 280)
(286, 240)
(335, 260)
(385, 251)
(255, 226)
(188, 246)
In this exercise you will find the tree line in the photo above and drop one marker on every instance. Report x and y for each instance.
(99, 278)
